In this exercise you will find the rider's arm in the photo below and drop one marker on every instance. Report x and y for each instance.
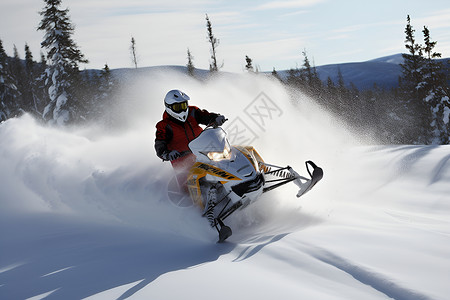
(164, 135)
(203, 116)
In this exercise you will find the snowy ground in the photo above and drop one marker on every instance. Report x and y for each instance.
(84, 212)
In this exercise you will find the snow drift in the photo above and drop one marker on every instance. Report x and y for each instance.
(85, 214)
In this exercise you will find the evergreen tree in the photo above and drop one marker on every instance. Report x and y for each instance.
(62, 73)
(294, 78)
(133, 52)
(344, 101)
(29, 62)
(411, 84)
(424, 90)
(275, 74)
(436, 97)
(433, 70)
(312, 82)
(307, 72)
(40, 92)
(9, 94)
(19, 79)
(329, 95)
(306, 79)
(106, 82)
(249, 64)
(190, 63)
(102, 92)
(28, 82)
(214, 42)
(107, 97)
(411, 88)
(16, 66)
(43, 61)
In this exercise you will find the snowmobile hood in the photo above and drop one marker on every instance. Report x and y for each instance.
(210, 140)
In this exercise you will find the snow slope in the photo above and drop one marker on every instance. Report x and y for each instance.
(84, 211)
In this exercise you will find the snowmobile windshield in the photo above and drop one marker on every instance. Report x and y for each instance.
(211, 144)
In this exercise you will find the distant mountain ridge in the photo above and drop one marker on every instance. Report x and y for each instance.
(384, 72)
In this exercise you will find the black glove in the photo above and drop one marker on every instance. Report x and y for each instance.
(171, 155)
(220, 119)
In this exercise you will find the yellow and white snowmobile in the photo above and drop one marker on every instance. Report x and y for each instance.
(226, 178)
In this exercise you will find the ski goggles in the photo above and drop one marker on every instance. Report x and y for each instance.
(178, 107)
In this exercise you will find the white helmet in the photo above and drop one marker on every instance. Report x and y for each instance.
(176, 103)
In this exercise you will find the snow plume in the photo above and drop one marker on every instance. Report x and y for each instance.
(285, 126)
(114, 173)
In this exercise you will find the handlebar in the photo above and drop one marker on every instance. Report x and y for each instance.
(214, 125)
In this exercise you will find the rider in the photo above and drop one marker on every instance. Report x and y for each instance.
(179, 126)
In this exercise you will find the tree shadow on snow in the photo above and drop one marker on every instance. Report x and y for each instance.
(406, 163)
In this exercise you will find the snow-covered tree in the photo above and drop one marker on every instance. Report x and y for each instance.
(190, 63)
(28, 81)
(249, 64)
(20, 79)
(133, 52)
(213, 67)
(63, 57)
(106, 86)
(9, 94)
(411, 84)
(105, 98)
(411, 81)
(423, 86)
(436, 97)
(33, 93)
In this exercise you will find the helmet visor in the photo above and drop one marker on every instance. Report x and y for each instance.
(178, 107)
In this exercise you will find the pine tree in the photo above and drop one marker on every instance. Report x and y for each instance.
(436, 97)
(63, 56)
(214, 42)
(29, 62)
(275, 74)
(412, 66)
(9, 93)
(106, 98)
(40, 92)
(43, 61)
(28, 83)
(249, 64)
(306, 78)
(307, 72)
(19, 78)
(133, 52)
(312, 82)
(433, 71)
(190, 63)
(106, 82)
(412, 89)
(329, 94)
(341, 95)
(294, 78)
(424, 89)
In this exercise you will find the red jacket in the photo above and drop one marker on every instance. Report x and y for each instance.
(172, 134)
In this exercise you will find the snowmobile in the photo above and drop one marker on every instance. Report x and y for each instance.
(228, 178)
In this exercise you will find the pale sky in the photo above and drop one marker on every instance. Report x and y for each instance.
(272, 33)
